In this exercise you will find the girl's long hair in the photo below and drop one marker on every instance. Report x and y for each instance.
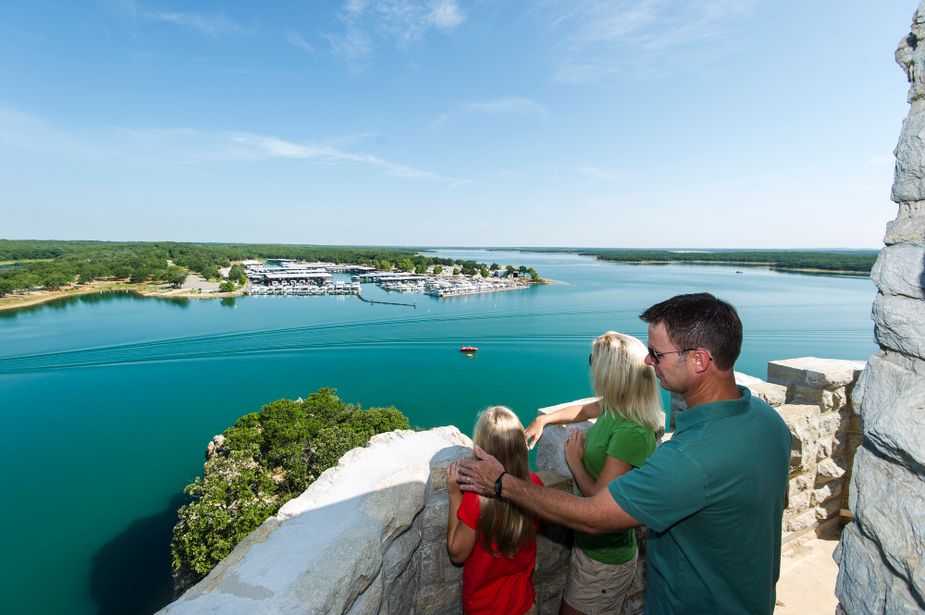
(503, 527)
(623, 381)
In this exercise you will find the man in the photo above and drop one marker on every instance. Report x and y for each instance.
(712, 496)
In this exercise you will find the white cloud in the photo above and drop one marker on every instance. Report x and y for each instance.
(519, 106)
(211, 25)
(296, 40)
(398, 22)
(188, 148)
(595, 39)
(596, 173)
(272, 147)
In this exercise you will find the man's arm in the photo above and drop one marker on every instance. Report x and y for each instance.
(594, 515)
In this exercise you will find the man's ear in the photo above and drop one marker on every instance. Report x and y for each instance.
(702, 360)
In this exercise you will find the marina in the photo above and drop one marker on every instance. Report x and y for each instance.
(290, 277)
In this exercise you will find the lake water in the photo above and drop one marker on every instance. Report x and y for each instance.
(108, 401)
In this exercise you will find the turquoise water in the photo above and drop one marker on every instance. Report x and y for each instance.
(108, 401)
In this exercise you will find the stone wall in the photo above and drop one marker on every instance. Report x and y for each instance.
(881, 556)
(367, 538)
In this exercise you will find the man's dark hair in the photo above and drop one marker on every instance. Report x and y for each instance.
(700, 320)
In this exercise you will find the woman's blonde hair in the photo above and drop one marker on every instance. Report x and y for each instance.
(503, 527)
(623, 381)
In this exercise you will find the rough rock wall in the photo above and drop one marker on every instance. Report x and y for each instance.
(367, 538)
(881, 556)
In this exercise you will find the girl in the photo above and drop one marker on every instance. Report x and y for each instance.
(495, 539)
(628, 413)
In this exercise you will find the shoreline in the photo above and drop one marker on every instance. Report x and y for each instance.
(771, 266)
(14, 302)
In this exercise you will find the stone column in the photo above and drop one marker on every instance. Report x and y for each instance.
(881, 556)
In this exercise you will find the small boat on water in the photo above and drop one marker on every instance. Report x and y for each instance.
(469, 349)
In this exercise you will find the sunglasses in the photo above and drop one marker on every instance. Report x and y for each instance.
(657, 356)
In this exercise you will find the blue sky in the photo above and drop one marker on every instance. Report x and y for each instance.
(621, 123)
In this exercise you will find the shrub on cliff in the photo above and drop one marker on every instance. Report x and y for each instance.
(265, 459)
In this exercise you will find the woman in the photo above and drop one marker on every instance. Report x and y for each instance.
(628, 413)
(495, 540)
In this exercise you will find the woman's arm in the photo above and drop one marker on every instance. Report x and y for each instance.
(569, 414)
(460, 538)
(574, 457)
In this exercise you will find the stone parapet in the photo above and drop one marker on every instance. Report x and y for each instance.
(368, 537)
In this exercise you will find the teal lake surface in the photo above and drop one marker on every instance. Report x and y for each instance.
(108, 401)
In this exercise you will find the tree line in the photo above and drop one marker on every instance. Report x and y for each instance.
(48, 264)
(854, 261)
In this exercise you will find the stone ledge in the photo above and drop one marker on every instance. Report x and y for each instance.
(814, 372)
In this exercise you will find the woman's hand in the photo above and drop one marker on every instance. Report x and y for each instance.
(534, 432)
(575, 448)
(452, 478)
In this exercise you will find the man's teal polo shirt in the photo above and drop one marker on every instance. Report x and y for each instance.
(712, 498)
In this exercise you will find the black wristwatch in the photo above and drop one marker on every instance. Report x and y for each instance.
(498, 485)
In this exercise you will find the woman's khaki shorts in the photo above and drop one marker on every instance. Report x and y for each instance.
(595, 588)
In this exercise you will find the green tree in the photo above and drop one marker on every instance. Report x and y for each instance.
(484, 272)
(266, 458)
(438, 269)
(176, 276)
(495, 267)
(405, 264)
(226, 287)
(236, 274)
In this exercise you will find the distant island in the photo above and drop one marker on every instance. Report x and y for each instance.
(36, 271)
(844, 261)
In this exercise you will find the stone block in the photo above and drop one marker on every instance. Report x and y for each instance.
(888, 501)
(799, 521)
(399, 555)
(898, 324)
(909, 177)
(555, 480)
(549, 593)
(774, 394)
(370, 601)
(803, 422)
(898, 270)
(432, 556)
(861, 573)
(831, 423)
(829, 470)
(439, 599)
(909, 225)
(553, 547)
(799, 484)
(827, 510)
(400, 593)
(824, 493)
(814, 372)
(865, 585)
(798, 503)
(435, 516)
(893, 409)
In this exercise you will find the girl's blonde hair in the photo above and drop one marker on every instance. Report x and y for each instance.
(623, 381)
(503, 527)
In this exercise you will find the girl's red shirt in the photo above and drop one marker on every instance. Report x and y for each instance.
(496, 585)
